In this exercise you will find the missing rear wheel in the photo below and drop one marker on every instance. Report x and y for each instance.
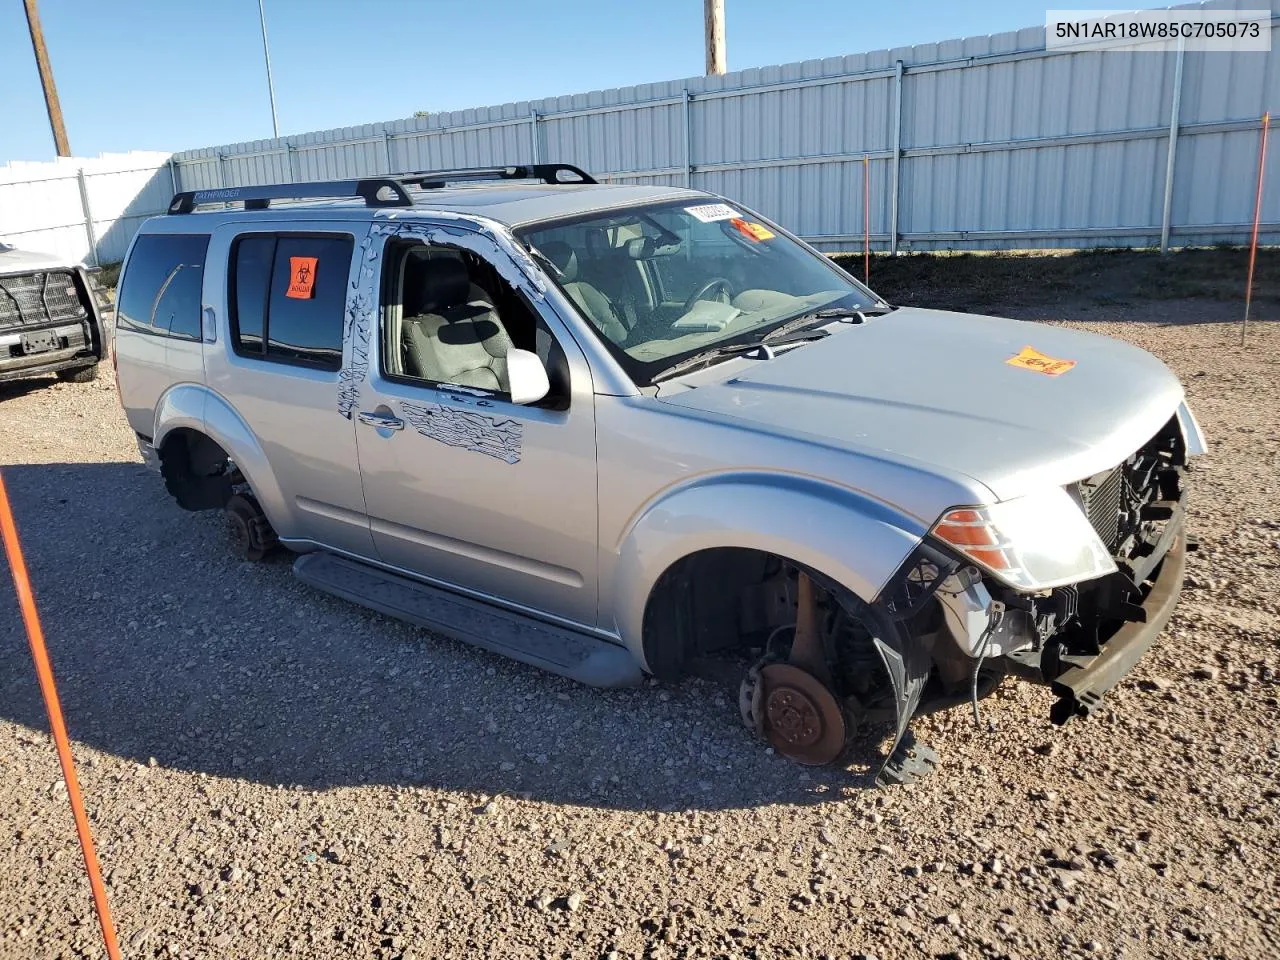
(251, 535)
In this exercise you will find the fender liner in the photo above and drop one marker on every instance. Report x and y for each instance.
(907, 659)
(198, 408)
(843, 535)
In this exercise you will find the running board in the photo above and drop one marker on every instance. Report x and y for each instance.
(567, 652)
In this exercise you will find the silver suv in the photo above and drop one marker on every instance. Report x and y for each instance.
(611, 430)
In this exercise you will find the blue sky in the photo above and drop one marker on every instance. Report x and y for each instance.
(175, 74)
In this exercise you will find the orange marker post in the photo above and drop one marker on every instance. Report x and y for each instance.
(44, 672)
(866, 219)
(1257, 215)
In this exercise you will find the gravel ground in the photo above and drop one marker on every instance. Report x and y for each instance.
(274, 773)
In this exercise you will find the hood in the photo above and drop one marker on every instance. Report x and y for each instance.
(24, 261)
(928, 387)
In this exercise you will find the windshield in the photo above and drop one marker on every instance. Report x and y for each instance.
(666, 282)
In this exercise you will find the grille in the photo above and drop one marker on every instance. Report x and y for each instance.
(1101, 497)
(35, 299)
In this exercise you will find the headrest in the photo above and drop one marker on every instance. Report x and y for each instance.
(445, 284)
(564, 257)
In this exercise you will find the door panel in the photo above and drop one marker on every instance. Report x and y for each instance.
(472, 491)
(291, 407)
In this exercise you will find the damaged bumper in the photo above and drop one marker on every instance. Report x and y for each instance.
(1080, 687)
(1084, 680)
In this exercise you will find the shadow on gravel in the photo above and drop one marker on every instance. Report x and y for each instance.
(166, 647)
(20, 388)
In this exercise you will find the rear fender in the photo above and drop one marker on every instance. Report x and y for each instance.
(198, 408)
(848, 537)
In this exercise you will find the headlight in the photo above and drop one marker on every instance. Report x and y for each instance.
(1032, 543)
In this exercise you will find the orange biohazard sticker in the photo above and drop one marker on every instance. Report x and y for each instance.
(302, 277)
(752, 231)
(1029, 358)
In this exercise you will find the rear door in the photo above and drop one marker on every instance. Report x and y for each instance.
(282, 312)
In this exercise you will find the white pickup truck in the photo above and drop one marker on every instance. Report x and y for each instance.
(50, 321)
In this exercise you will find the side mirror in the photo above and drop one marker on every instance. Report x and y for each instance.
(527, 377)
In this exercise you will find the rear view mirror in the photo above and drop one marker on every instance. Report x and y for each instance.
(646, 248)
(526, 376)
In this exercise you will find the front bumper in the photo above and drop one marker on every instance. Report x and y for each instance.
(1082, 686)
(1081, 681)
(39, 364)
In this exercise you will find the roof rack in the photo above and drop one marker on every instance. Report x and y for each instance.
(375, 191)
(546, 172)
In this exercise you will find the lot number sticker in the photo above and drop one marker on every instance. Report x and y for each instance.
(711, 212)
(302, 277)
(1029, 358)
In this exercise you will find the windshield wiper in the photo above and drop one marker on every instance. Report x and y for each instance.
(708, 357)
(826, 315)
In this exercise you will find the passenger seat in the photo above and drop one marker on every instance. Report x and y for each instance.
(456, 339)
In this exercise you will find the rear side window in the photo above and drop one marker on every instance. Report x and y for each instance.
(160, 289)
(288, 297)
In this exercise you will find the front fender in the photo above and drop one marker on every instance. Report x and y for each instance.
(847, 536)
(196, 407)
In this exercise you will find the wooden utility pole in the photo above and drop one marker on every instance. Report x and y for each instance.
(714, 11)
(46, 80)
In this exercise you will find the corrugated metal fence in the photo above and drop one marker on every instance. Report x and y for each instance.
(988, 142)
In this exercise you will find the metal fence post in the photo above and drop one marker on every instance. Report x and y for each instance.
(386, 151)
(88, 216)
(533, 133)
(688, 140)
(289, 154)
(896, 159)
(1173, 147)
(173, 174)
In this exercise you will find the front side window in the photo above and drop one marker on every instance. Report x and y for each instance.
(665, 282)
(160, 289)
(288, 297)
(449, 319)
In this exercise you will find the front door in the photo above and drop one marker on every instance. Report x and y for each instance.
(463, 486)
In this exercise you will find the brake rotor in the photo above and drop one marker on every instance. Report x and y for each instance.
(802, 718)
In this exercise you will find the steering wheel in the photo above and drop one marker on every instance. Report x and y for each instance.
(715, 283)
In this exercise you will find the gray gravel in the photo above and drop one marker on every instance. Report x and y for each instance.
(271, 772)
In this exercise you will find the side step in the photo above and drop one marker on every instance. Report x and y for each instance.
(569, 653)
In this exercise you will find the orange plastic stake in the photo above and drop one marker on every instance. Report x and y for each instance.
(26, 600)
(866, 219)
(1257, 215)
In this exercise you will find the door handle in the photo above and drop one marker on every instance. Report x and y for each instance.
(384, 421)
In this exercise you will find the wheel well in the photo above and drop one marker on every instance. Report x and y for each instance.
(712, 600)
(197, 472)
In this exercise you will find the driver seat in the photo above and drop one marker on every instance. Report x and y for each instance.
(589, 299)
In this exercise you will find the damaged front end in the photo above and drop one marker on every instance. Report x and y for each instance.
(961, 626)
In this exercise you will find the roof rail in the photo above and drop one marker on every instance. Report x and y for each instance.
(376, 192)
(546, 172)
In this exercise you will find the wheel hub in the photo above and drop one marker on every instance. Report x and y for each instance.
(802, 717)
(241, 538)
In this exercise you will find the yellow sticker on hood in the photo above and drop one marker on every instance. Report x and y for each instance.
(1029, 358)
